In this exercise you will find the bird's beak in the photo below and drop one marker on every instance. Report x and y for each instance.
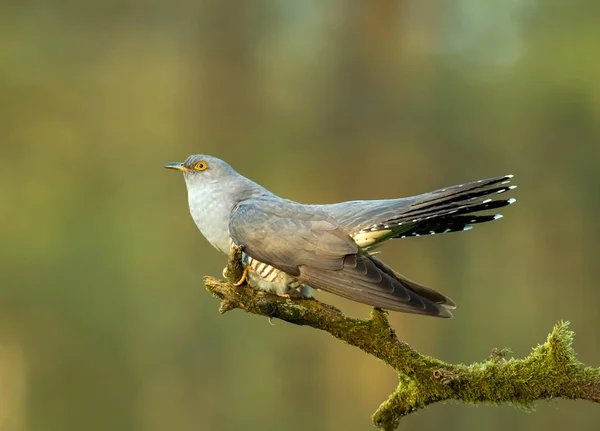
(176, 165)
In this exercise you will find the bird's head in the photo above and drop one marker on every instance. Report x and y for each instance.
(199, 169)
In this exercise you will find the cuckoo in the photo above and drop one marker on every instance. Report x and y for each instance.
(290, 248)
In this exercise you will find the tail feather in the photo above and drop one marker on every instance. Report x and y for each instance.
(446, 210)
(447, 225)
(466, 197)
(452, 209)
(463, 191)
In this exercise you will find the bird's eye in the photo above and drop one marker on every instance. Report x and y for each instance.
(200, 166)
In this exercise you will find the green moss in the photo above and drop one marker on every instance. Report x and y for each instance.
(551, 370)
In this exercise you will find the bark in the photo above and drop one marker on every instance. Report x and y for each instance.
(550, 371)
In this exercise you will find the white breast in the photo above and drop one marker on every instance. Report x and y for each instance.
(211, 215)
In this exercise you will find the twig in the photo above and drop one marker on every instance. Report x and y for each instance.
(550, 371)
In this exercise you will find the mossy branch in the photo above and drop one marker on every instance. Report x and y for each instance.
(550, 371)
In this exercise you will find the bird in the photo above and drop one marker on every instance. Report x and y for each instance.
(289, 248)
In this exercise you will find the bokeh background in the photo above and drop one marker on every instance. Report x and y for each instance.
(104, 321)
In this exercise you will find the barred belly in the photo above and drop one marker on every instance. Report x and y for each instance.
(265, 277)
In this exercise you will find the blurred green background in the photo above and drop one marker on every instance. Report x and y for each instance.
(104, 320)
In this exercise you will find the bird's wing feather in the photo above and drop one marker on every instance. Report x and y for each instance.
(287, 235)
(305, 242)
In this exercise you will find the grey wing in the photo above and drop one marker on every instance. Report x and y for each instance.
(305, 243)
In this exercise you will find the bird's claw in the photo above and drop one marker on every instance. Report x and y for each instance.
(244, 276)
(293, 295)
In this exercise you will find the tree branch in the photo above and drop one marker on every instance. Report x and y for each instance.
(550, 371)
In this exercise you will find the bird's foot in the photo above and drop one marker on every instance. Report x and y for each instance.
(293, 295)
(244, 276)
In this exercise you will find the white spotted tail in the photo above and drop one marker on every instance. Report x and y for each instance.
(451, 209)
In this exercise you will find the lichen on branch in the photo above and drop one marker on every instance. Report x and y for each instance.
(550, 371)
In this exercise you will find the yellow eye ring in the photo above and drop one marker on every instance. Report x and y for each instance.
(200, 166)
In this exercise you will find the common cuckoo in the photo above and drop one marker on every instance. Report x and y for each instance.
(290, 248)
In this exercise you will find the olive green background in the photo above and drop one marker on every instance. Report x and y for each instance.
(104, 321)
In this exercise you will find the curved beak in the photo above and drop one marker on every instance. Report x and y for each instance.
(176, 165)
